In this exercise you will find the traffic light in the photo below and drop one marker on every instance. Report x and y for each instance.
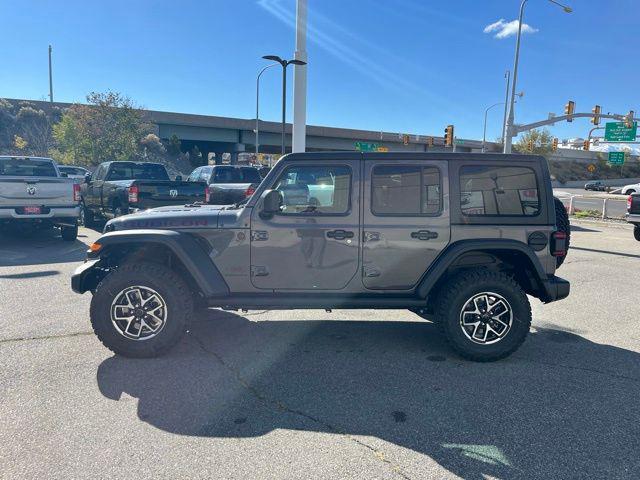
(585, 145)
(430, 141)
(448, 136)
(569, 109)
(530, 144)
(554, 144)
(405, 139)
(596, 114)
(628, 119)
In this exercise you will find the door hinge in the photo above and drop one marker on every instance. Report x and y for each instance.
(259, 235)
(259, 271)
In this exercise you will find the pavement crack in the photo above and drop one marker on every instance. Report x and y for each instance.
(44, 337)
(277, 405)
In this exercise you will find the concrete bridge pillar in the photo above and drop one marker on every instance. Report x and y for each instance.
(234, 158)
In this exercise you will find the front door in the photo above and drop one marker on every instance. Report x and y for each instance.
(313, 242)
(406, 221)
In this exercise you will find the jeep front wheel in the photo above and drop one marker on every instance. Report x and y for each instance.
(141, 310)
(484, 315)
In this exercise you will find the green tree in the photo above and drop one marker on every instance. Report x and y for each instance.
(109, 128)
(537, 142)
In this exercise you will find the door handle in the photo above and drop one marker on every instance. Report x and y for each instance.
(339, 234)
(424, 235)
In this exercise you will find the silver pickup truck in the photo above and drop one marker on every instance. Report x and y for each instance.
(33, 192)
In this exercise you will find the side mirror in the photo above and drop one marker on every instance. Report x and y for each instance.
(271, 204)
(178, 178)
(87, 178)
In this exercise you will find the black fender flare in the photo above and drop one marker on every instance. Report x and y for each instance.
(456, 249)
(184, 246)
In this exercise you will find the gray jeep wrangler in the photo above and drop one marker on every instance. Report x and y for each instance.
(460, 239)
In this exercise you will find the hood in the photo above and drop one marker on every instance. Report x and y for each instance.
(168, 218)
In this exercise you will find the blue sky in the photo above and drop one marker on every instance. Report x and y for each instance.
(398, 65)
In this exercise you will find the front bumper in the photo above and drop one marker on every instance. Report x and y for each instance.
(83, 276)
(556, 288)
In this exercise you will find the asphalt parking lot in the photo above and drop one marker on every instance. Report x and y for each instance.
(310, 394)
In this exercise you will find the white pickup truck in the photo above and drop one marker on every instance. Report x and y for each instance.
(33, 191)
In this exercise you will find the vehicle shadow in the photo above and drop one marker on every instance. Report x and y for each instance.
(37, 247)
(561, 407)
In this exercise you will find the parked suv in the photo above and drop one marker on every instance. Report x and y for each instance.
(461, 239)
(227, 184)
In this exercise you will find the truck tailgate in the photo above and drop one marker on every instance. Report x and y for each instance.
(159, 193)
(48, 191)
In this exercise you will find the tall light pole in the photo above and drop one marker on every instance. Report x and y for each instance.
(484, 129)
(285, 64)
(50, 77)
(258, 105)
(299, 131)
(510, 119)
(507, 76)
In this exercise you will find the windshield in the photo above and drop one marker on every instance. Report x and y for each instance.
(226, 175)
(138, 171)
(250, 175)
(27, 167)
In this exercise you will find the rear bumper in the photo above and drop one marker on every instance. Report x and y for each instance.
(633, 218)
(556, 288)
(58, 215)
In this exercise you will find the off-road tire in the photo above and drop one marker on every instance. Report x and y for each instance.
(636, 232)
(69, 234)
(464, 286)
(167, 283)
(562, 222)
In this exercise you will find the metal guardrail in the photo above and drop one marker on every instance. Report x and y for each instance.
(607, 208)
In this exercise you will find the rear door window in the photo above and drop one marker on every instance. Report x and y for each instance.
(405, 190)
(489, 190)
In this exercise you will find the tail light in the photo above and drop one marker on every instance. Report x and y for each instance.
(629, 200)
(250, 191)
(559, 244)
(133, 194)
(76, 192)
(207, 194)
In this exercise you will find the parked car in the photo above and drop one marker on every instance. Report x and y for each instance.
(71, 171)
(343, 230)
(228, 184)
(633, 213)
(34, 193)
(630, 189)
(119, 188)
(595, 186)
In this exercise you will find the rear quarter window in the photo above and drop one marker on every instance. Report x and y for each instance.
(494, 190)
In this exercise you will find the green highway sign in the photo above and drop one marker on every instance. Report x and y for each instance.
(367, 147)
(616, 158)
(619, 132)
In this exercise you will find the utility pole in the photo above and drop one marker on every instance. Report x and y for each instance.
(300, 80)
(50, 78)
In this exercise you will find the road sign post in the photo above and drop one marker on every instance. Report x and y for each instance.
(619, 132)
(367, 147)
(616, 158)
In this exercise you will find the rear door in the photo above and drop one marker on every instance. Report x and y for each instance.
(313, 242)
(406, 220)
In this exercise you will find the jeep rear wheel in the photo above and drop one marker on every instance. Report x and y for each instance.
(141, 310)
(484, 315)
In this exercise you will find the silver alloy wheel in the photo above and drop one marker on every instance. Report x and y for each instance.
(486, 318)
(138, 313)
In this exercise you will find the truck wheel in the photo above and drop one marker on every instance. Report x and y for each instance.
(141, 310)
(484, 315)
(117, 210)
(562, 222)
(69, 234)
(636, 232)
(86, 216)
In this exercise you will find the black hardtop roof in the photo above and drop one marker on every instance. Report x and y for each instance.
(487, 157)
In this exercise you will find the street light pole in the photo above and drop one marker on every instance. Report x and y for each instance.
(258, 105)
(50, 77)
(507, 76)
(510, 119)
(484, 129)
(285, 64)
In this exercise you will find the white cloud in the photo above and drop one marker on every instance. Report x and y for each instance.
(506, 29)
